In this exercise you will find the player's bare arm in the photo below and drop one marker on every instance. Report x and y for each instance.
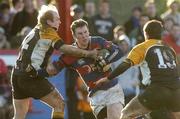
(68, 49)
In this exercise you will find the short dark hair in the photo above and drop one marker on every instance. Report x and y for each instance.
(153, 29)
(14, 2)
(78, 23)
(137, 8)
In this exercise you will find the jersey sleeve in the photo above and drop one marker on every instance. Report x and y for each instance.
(58, 44)
(137, 54)
(115, 53)
(105, 44)
(64, 61)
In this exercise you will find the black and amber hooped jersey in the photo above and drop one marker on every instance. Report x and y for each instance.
(157, 62)
(38, 46)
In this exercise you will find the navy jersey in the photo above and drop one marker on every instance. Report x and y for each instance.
(157, 62)
(83, 65)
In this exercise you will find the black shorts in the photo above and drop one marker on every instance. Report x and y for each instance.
(158, 97)
(25, 87)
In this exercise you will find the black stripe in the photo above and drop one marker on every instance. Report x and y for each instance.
(58, 44)
(25, 54)
(49, 52)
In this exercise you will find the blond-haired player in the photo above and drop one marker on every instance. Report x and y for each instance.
(31, 68)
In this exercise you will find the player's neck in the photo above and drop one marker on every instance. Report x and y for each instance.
(82, 46)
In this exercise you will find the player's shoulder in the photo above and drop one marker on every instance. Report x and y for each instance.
(147, 44)
(49, 33)
(139, 46)
(97, 38)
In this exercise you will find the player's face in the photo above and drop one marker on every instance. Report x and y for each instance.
(56, 21)
(82, 35)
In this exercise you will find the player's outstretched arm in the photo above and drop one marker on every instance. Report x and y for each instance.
(69, 49)
(119, 70)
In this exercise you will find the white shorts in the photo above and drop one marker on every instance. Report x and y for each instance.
(103, 98)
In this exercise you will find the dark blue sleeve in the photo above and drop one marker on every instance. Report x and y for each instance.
(115, 52)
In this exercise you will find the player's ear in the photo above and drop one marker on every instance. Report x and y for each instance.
(49, 22)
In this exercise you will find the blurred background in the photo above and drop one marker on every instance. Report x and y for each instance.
(115, 20)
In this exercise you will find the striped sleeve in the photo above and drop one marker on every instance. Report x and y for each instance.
(58, 44)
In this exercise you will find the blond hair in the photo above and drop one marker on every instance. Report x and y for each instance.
(46, 13)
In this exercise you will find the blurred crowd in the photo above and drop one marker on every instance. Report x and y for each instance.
(18, 17)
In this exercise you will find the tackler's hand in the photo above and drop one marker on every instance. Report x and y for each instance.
(92, 54)
(100, 63)
(51, 70)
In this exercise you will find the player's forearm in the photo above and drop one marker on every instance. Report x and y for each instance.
(68, 49)
(120, 69)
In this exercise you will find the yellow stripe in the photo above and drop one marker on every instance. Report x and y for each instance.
(58, 114)
(137, 54)
(50, 34)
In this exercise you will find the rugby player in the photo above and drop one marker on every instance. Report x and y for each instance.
(158, 63)
(106, 101)
(31, 68)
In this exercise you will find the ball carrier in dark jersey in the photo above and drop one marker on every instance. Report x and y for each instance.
(106, 101)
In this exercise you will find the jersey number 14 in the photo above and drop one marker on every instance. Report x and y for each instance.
(168, 63)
